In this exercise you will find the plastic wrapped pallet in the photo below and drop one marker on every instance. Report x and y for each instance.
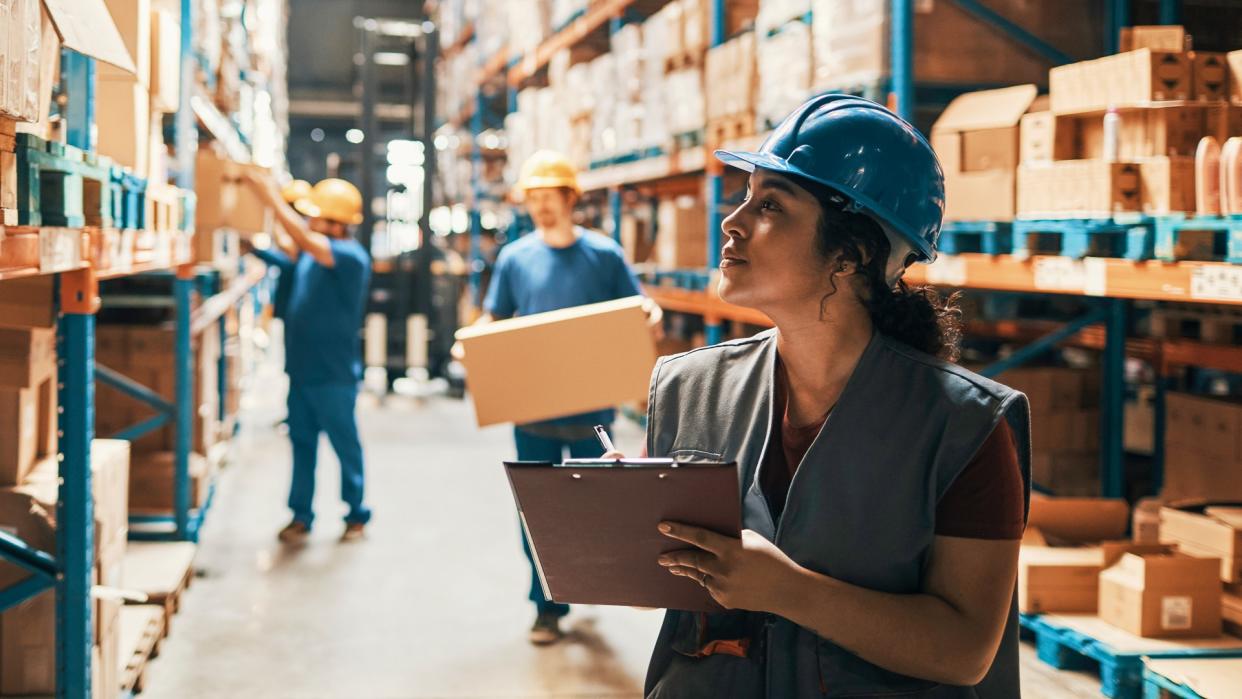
(784, 61)
(627, 49)
(20, 33)
(604, 109)
(731, 73)
(683, 91)
(774, 13)
(662, 33)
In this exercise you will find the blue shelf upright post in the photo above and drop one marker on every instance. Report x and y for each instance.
(77, 73)
(1112, 465)
(1116, 16)
(614, 212)
(183, 289)
(902, 58)
(713, 331)
(476, 184)
(185, 133)
(75, 516)
(1170, 11)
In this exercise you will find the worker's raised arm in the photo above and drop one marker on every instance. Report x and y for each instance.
(314, 244)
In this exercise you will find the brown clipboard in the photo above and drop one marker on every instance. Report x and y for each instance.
(592, 527)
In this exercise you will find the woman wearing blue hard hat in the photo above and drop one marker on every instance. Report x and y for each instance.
(884, 488)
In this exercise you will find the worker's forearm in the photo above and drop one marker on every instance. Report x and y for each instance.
(918, 635)
(314, 244)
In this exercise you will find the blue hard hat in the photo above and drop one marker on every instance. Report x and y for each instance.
(865, 152)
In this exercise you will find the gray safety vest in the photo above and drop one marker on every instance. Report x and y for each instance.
(861, 507)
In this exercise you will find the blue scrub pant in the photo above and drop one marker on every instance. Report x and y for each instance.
(325, 408)
(533, 448)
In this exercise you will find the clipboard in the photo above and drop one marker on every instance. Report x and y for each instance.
(592, 526)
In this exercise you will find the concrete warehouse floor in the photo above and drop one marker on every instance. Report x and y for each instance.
(432, 604)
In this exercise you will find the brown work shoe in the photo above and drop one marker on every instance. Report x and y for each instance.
(354, 531)
(547, 630)
(294, 532)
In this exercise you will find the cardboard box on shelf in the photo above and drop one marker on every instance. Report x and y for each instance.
(1199, 533)
(1079, 520)
(1040, 140)
(123, 114)
(636, 238)
(1067, 430)
(1052, 389)
(27, 302)
(1067, 473)
(1211, 426)
(731, 71)
(1233, 60)
(1209, 71)
(133, 20)
(224, 201)
(28, 421)
(1122, 80)
(1078, 188)
(1140, 421)
(1142, 133)
(1145, 526)
(27, 355)
(1162, 596)
(1190, 473)
(977, 141)
(681, 233)
(165, 61)
(574, 360)
(1160, 37)
(1168, 185)
(151, 481)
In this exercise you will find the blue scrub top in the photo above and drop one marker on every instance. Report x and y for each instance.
(533, 277)
(324, 316)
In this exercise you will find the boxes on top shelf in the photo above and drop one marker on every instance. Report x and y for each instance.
(1209, 76)
(20, 41)
(123, 115)
(784, 68)
(976, 139)
(1125, 79)
(731, 74)
(133, 21)
(165, 62)
(1160, 37)
(1078, 189)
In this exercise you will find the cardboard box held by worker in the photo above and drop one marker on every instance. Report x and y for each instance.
(561, 363)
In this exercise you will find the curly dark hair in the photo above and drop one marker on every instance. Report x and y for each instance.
(917, 316)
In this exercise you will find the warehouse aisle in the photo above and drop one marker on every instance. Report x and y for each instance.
(431, 605)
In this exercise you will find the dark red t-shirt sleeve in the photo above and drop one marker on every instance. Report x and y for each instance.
(988, 499)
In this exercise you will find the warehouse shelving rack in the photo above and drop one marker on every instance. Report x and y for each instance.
(77, 279)
(1112, 283)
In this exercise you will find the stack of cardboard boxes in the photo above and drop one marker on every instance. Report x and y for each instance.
(1203, 447)
(1215, 535)
(1163, 99)
(28, 630)
(146, 354)
(28, 420)
(1065, 427)
(226, 208)
(681, 233)
(1075, 561)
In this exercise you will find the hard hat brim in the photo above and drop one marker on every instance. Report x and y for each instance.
(749, 160)
(306, 207)
(548, 183)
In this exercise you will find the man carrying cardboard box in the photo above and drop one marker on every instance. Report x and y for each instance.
(323, 355)
(560, 266)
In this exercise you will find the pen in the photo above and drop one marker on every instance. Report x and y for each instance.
(604, 440)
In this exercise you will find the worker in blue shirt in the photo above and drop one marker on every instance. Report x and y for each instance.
(558, 266)
(323, 357)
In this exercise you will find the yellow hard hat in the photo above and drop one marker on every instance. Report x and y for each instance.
(548, 169)
(333, 199)
(295, 190)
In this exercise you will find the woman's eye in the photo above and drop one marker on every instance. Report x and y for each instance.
(767, 205)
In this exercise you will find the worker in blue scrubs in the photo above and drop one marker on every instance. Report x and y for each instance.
(558, 266)
(323, 356)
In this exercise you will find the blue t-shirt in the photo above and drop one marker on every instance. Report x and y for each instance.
(274, 257)
(324, 316)
(533, 277)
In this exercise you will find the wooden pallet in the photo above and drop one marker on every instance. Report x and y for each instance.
(59, 185)
(8, 172)
(988, 237)
(141, 632)
(162, 571)
(1192, 679)
(730, 128)
(1078, 238)
(1207, 238)
(1083, 642)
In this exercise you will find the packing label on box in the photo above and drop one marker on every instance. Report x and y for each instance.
(1216, 283)
(1176, 612)
(60, 250)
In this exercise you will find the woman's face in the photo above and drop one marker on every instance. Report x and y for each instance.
(770, 259)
